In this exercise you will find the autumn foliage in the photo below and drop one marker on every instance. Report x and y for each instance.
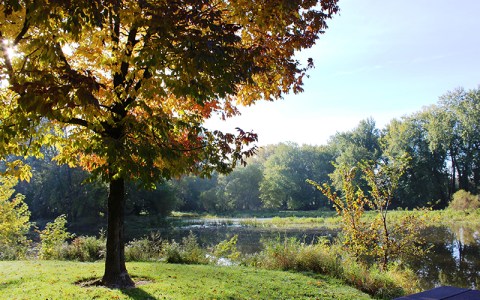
(376, 237)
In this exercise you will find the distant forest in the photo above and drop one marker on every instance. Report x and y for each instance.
(443, 142)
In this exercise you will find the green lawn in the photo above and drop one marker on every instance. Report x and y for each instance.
(56, 280)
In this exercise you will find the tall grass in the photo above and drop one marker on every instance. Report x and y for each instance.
(329, 259)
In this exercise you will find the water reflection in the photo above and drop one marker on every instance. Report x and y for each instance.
(454, 258)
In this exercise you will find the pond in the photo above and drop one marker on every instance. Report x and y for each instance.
(454, 258)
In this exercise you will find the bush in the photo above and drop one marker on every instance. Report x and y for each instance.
(85, 248)
(463, 200)
(187, 252)
(280, 254)
(292, 254)
(145, 249)
(53, 239)
(320, 257)
(226, 249)
(172, 252)
(14, 221)
(192, 251)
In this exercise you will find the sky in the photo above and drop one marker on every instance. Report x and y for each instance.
(378, 59)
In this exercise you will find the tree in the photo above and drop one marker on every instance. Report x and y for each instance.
(383, 178)
(286, 171)
(159, 201)
(238, 190)
(242, 186)
(131, 83)
(188, 190)
(278, 187)
(350, 148)
(453, 127)
(58, 189)
(350, 205)
(426, 179)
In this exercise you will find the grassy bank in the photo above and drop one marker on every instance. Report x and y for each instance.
(258, 214)
(450, 217)
(315, 219)
(59, 280)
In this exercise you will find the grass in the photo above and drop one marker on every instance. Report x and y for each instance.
(294, 222)
(316, 219)
(57, 280)
(449, 217)
(258, 214)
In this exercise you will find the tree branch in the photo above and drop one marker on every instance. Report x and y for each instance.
(25, 27)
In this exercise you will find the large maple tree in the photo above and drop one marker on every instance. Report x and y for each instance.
(129, 84)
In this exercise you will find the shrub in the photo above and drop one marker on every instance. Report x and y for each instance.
(172, 252)
(192, 252)
(187, 252)
(53, 239)
(280, 253)
(463, 200)
(375, 238)
(85, 248)
(145, 249)
(319, 257)
(226, 249)
(14, 221)
(292, 254)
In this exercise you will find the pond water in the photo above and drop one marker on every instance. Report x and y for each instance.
(454, 258)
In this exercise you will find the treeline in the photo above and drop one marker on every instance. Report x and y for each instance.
(442, 142)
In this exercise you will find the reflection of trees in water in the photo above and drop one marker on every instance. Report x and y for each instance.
(454, 258)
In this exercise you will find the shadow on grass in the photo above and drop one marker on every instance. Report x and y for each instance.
(6, 284)
(137, 294)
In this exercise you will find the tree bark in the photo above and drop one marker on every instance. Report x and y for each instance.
(116, 275)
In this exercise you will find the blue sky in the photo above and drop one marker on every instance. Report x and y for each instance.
(379, 59)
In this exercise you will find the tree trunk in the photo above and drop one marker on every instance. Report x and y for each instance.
(454, 176)
(116, 275)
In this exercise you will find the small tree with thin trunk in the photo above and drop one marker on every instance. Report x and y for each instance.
(350, 205)
(400, 237)
(377, 237)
